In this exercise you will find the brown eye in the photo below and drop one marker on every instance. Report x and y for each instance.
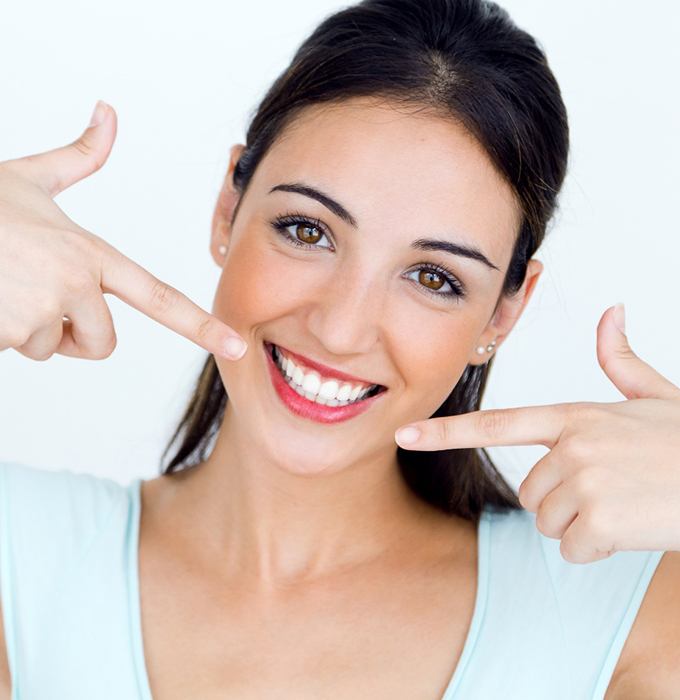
(300, 231)
(303, 233)
(427, 277)
(432, 278)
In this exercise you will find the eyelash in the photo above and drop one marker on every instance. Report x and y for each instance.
(281, 223)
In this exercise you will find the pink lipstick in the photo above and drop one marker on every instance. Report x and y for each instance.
(302, 406)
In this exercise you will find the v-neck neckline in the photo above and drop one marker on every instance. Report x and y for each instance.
(141, 670)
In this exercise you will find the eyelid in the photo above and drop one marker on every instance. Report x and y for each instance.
(291, 218)
(453, 280)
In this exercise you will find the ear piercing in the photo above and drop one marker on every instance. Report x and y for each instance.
(222, 250)
(489, 347)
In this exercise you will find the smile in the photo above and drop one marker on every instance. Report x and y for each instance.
(310, 394)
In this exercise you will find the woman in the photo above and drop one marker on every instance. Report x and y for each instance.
(375, 234)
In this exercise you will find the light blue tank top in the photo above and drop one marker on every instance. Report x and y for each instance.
(541, 628)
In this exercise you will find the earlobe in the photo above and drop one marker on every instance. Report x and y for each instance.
(224, 209)
(508, 312)
(485, 352)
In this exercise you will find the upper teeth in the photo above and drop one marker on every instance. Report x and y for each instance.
(312, 384)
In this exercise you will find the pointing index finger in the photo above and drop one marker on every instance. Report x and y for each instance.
(524, 425)
(143, 291)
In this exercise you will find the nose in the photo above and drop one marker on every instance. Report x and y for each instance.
(346, 315)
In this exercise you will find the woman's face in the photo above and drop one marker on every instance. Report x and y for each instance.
(361, 298)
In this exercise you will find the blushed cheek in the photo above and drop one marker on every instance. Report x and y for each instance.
(438, 354)
(249, 292)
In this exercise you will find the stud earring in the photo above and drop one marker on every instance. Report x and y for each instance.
(489, 347)
(222, 250)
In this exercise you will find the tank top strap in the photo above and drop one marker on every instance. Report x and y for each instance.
(551, 628)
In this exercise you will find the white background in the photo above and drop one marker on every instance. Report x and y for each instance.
(184, 80)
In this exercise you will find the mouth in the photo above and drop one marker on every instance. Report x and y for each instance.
(326, 389)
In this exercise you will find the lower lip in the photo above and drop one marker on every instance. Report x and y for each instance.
(305, 408)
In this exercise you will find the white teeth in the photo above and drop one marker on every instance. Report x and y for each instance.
(298, 375)
(329, 389)
(310, 384)
(344, 392)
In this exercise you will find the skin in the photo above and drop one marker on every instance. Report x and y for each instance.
(609, 483)
(293, 529)
(289, 537)
(288, 498)
(306, 524)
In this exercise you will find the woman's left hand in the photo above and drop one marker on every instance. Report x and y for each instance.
(611, 480)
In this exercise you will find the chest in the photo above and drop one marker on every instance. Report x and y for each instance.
(396, 634)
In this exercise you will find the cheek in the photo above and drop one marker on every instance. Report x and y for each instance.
(434, 356)
(249, 289)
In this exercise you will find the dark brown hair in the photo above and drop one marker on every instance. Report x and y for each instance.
(465, 60)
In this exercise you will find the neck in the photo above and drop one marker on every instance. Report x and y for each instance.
(255, 519)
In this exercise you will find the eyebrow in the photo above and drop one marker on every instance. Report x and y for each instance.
(441, 244)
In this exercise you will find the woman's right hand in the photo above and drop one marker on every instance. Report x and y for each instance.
(53, 273)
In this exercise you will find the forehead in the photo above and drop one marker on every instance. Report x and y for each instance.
(400, 167)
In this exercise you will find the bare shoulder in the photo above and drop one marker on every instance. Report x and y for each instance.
(649, 665)
(5, 679)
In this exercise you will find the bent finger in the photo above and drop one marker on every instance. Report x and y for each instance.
(88, 329)
(43, 343)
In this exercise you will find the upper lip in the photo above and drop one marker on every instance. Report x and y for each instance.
(322, 369)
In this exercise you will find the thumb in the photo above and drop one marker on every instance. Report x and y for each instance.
(59, 168)
(633, 377)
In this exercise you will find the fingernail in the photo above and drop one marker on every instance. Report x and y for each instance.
(98, 114)
(620, 317)
(408, 435)
(235, 348)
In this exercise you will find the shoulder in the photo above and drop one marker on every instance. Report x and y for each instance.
(592, 607)
(22, 480)
(42, 506)
(650, 661)
(64, 561)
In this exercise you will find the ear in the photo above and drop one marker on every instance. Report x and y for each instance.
(509, 310)
(226, 201)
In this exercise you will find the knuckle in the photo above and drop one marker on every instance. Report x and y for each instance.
(43, 356)
(444, 431)
(491, 423)
(108, 348)
(101, 343)
(83, 146)
(590, 482)
(204, 329)
(88, 245)
(525, 497)
(47, 309)
(594, 521)
(77, 284)
(163, 297)
(584, 412)
(583, 482)
(16, 337)
(578, 448)
(541, 523)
